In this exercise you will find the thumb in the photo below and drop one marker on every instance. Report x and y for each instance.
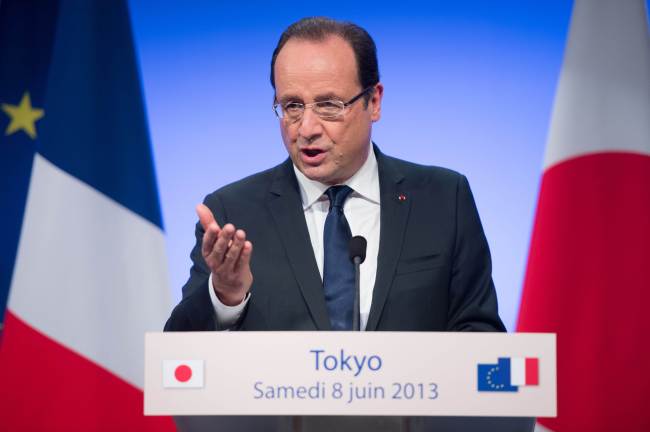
(205, 216)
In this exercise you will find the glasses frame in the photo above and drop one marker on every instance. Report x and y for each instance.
(343, 106)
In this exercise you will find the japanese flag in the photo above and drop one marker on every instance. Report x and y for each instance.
(183, 373)
(588, 276)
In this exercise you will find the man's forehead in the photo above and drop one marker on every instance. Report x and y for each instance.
(319, 66)
(328, 43)
(299, 95)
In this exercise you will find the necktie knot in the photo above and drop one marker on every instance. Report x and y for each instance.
(337, 195)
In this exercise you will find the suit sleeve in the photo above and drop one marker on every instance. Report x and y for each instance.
(472, 296)
(196, 312)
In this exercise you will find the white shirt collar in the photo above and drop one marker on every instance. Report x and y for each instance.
(364, 183)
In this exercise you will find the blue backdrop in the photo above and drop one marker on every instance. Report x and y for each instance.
(468, 85)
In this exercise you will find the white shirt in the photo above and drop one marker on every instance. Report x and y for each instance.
(362, 211)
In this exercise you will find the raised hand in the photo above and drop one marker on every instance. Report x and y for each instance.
(227, 253)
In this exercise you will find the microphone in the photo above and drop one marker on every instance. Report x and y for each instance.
(357, 248)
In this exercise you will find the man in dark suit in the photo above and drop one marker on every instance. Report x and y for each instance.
(428, 265)
(433, 267)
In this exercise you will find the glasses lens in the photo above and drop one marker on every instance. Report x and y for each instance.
(293, 110)
(329, 109)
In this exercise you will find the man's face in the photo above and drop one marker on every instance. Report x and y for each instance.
(328, 151)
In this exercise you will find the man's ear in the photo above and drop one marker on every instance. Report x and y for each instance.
(375, 102)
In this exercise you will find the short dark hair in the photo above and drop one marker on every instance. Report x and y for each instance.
(320, 28)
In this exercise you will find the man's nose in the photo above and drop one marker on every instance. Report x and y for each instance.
(310, 125)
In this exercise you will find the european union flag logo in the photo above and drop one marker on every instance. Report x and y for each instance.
(495, 377)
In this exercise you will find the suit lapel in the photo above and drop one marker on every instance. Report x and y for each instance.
(285, 206)
(395, 207)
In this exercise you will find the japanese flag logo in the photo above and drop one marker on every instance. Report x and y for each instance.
(183, 373)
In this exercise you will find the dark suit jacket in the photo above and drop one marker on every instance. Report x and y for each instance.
(433, 268)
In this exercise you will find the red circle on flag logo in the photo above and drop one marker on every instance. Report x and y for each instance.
(183, 373)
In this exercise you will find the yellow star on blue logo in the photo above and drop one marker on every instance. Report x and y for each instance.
(23, 116)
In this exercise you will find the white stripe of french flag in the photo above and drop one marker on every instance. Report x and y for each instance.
(524, 371)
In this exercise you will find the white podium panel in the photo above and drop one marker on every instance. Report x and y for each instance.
(350, 373)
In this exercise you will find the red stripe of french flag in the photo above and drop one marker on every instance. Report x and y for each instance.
(532, 371)
(524, 371)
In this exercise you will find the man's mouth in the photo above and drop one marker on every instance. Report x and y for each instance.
(312, 152)
(312, 155)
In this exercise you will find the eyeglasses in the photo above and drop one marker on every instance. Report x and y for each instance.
(326, 110)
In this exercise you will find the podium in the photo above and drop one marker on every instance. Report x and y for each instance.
(312, 381)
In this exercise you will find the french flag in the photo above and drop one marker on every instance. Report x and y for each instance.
(588, 275)
(83, 253)
(524, 371)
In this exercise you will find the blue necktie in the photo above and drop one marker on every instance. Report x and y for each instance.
(338, 270)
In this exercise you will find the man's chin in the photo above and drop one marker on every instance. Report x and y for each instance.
(318, 174)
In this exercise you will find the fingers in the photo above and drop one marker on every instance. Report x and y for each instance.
(232, 253)
(229, 262)
(209, 239)
(210, 226)
(224, 239)
(205, 216)
(245, 256)
(226, 249)
(227, 253)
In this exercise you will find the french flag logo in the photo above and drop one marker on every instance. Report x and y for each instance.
(508, 374)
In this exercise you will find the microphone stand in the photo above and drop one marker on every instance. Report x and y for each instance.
(356, 318)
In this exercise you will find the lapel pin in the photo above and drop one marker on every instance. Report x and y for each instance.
(401, 197)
